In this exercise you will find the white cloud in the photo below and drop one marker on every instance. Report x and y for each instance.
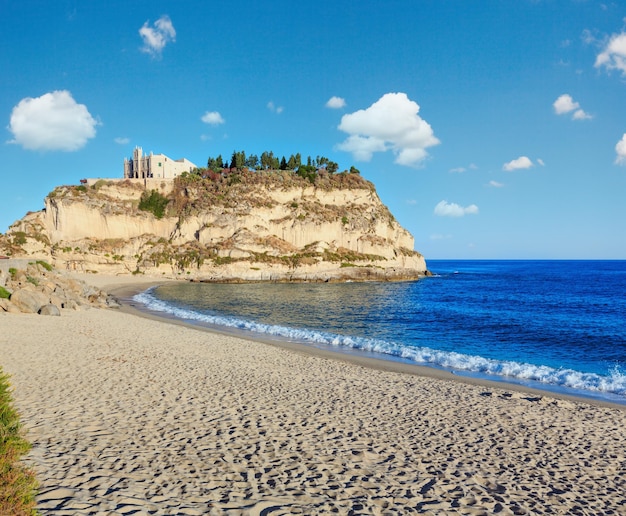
(495, 184)
(274, 108)
(156, 37)
(411, 202)
(460, 170)
(613, 56)
(566, 104)
(437, 236)
(620, 149)
(450, 209)
(212, 118)
(121, 141)
(579, 114)
(391, 123)
(336, 103)
(53, 121)
(517, 164)
(540, 161)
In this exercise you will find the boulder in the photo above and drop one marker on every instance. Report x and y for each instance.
(28, 301)
(49, 309)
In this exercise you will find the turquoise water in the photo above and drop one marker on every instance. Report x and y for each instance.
(558, 325)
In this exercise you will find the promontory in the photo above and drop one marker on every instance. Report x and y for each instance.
(235, 225)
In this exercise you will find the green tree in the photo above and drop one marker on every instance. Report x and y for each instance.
(252, 161)
(266, 162)
(238, 160)
(215, 164)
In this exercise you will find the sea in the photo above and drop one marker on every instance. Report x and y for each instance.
(554, 325)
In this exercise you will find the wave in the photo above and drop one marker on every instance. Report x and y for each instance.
(613, 383)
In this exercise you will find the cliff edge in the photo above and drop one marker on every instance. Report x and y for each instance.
(242, 226)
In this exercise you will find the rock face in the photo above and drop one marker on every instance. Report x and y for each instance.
(248, 226)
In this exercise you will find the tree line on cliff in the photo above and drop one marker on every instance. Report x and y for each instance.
(269, 161)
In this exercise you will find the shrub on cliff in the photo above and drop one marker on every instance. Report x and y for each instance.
(154, 202)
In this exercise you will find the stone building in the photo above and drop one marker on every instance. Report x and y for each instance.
(157, 166)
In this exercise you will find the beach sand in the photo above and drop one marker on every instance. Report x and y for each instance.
(131, 415)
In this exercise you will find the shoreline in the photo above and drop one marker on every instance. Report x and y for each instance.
(126, 290)
(130, 414)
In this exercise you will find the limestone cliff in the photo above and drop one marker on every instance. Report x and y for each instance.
(245, 226)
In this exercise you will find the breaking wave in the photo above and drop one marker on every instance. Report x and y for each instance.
(614, 383)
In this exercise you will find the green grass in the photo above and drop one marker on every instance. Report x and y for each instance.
(17, 483)
(44, 264)
(4, 293)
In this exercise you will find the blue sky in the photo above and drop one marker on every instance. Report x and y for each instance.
(491, 129)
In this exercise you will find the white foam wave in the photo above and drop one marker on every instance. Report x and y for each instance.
(614, 383)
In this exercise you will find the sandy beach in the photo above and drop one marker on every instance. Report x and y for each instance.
(132, 415)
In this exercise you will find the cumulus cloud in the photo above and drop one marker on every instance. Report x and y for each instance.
(613, 55)
(121, 140)
(212, 118)
(620, 149)
(450, 209)
(54, 121)
(517, 164)
(156, 37)
(495, 184)
(566, 104)
(336, 103)
(274, 108)
(391, 123)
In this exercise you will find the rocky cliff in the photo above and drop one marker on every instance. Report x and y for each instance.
(244, 226)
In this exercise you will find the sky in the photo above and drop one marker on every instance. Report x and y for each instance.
(492, 129)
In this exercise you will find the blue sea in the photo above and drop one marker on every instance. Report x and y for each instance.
(556, 325)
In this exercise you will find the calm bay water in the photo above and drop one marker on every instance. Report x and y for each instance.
(559, 323)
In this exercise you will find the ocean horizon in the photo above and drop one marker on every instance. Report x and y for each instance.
(555, 325)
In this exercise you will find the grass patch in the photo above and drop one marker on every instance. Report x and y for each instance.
(4, 293)
(19, 238)
(45, 265)
(17, 483)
